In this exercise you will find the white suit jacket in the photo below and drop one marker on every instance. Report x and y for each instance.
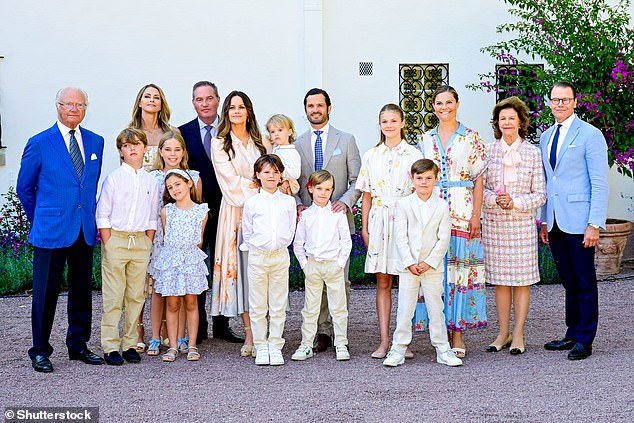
(418, 241)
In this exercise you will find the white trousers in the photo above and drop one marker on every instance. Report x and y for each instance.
(408, 289)
(268, 293)
(318, 274)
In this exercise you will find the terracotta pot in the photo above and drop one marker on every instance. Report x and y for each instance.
(609, 251)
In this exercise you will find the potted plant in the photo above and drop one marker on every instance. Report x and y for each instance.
(587, 42)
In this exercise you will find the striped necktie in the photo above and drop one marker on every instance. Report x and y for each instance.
(75, 155)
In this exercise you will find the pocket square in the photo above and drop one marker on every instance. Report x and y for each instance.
(572, 146)
(336, 152)
(93, 156)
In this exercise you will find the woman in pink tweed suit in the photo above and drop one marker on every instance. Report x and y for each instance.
(514, 189)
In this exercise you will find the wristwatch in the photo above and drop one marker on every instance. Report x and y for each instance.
(594, 226)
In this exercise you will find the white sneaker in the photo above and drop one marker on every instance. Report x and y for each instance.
(275, 357)
(449, 358)
(393, 359)
(262, 356)
(302, 353)
(342, 353)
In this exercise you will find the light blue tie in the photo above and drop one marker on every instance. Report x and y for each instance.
(75, 155)
(319, 154)
(553, 148)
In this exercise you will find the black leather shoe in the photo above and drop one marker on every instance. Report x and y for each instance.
(42, 364)
(579, 352)
(113, 358)
(131, 356)
(323, 342)
(86, 356)
(560, 345)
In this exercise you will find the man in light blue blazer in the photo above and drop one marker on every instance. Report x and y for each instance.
(576, 166)
(57, 185)
(326, 147)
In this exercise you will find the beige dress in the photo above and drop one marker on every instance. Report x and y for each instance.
(230, 287)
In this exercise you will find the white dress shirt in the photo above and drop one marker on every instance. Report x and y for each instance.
(65, 130)
(290, 159)
(424, 208)
(129, 201)
(268, 221)
(322, 235)
(324, 137)
(563, 131)
(214, 128)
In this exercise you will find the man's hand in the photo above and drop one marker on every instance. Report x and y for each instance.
(339, 206)
(543, 234)
(590, 237)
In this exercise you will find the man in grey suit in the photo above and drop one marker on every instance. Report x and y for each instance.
(325, 147)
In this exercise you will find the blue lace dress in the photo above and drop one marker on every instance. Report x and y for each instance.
(180, 263)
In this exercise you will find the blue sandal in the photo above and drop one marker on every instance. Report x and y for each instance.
(154, 348)
(182, 345)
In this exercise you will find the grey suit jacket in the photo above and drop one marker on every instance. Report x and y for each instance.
(341, 159)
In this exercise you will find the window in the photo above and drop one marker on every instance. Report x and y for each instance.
(508, 78)
(417, 83)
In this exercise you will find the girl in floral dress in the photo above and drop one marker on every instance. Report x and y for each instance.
(384, 179)
(460, 154)
(182, 272)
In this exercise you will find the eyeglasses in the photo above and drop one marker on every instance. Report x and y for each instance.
(565, 101)
(69, 106)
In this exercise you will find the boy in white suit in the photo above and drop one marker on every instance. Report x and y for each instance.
(422, 228)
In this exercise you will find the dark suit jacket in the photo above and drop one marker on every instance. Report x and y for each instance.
(199, 161)
(57, 203)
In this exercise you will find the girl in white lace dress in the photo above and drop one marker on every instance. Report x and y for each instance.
(181, 263)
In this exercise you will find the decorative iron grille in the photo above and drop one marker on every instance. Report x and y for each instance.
(417, 83)
(366, 68)
(508, 78)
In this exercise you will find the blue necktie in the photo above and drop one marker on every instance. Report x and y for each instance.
(207, 141)
(319, 154)
(553, 148)
(75, 155)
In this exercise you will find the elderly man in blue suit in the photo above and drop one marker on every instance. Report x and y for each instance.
(57, 185)
(576, 166)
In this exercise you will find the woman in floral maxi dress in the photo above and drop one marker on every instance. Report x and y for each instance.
(460, 154)
(233, 153)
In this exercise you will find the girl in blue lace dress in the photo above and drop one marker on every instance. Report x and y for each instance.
(181, 263)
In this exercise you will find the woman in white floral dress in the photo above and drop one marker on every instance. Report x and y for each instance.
(461, 156)
(384, 179)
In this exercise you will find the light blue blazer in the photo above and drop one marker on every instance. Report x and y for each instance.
(56, 202)
(577, 189)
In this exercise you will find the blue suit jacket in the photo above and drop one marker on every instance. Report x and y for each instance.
(199, 161)
(56, 202)
(577, 189)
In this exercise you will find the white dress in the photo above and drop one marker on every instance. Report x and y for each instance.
(181, 264)
(158, 236)
(385, 174)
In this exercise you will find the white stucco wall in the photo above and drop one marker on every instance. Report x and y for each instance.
(273, 50)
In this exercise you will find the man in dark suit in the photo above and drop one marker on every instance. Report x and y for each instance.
(198, 135)
(57, 185)
(576, 165)
(325, 147)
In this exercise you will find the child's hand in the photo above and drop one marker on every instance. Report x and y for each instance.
(285, 187)
(415, 269)
(423, 267)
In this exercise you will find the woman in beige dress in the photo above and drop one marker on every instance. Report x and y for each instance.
(233, 153)
(514, 189)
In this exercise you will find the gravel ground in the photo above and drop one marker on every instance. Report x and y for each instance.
(536, 386)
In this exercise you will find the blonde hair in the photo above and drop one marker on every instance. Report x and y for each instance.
(282, 121)
(320, 177)
(171, 135)
(163, 114)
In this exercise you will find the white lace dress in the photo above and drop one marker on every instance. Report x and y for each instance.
(180, 263)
